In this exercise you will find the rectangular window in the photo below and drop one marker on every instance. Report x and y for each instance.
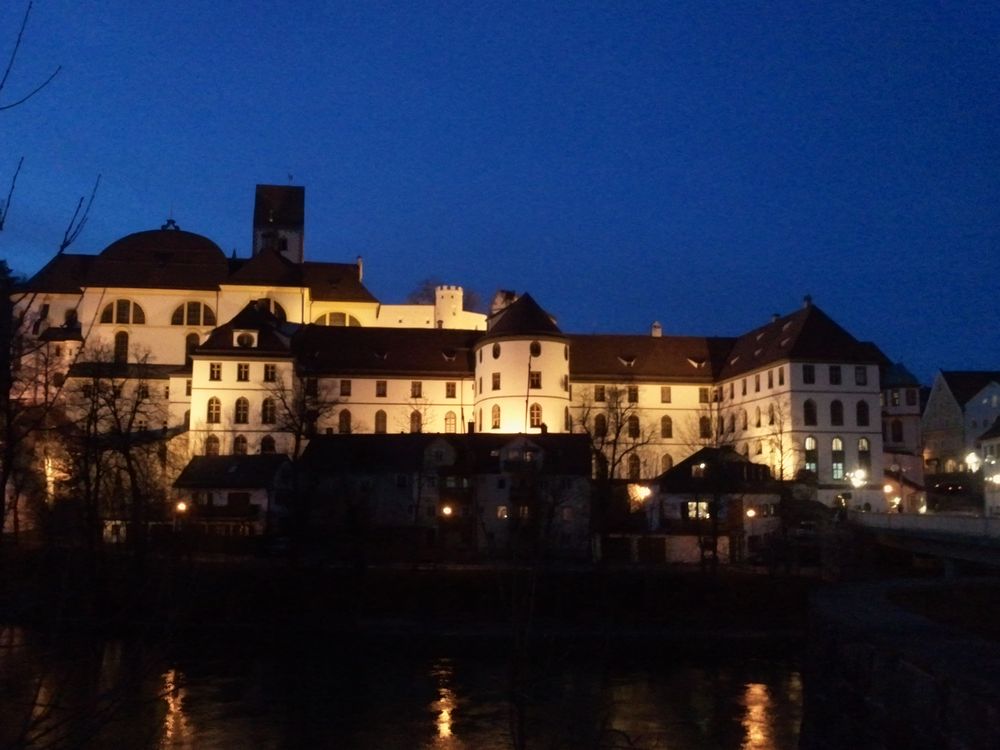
(744, 387)
(808, 374)
(416, 389)
(781, 376)
(756, 383)
(599, 394)
(523, 511)
(380, 389)
(496, 381)
(345, 387)
(633, 394)
(534, 379)
(450, 390)
(703, 395)
(911, 397)
(166, 393)
(187, 387)
(215, 371)
(732, 391)
(860, 375)
(770, 378)
(894, 398)
(834, 374)
(243, 372)
(270, 373)
(664, 394)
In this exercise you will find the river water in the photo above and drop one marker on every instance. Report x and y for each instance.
(280, 691)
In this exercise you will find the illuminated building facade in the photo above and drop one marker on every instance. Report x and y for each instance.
(258, 355)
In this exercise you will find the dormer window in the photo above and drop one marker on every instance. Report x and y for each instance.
(628, 360)
(245, 339)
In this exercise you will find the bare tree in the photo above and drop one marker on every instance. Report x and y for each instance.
(613, 422)
(12, 58)
(302, 401)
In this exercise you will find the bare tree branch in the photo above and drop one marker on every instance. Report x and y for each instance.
(10, 66)
(79, 220)
(5, 206)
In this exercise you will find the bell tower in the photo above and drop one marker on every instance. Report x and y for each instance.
(279, 220)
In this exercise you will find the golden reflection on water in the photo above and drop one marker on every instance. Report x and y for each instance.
(178, 731)
(758, 717)
(445, 704)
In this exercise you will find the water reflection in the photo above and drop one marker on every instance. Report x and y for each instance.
(92, 694)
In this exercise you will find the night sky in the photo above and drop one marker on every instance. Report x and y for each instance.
(701, 164)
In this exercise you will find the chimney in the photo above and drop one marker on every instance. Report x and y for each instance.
(774, 317)
(361, 269)
(807, 301)
(656, 330)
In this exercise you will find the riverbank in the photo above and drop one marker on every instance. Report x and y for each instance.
(58, 589)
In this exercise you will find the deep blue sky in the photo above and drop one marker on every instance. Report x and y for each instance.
(702, 164)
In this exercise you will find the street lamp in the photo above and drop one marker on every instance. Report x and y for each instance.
(179, 510)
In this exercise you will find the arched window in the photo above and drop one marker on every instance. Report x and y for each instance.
(212, 446)
(896, 430)
(344, 422)
(770, 414)
(240, 445)
(744, 419)
(121, 347)
(666, 427)
(380, 422)
(450, 421)
(338, 319)
(837, 458)
(812, 455)
(836, 413)
(416, 421)
(123, 312)
(809, 412)
(633, 427)
(861, 414)
(268, 411)
(241, 414)
(757, 421)
(495, 417)
(634, 466)
(267, 444)
(731, 423)
(535, 415)
(864, 454)
(193, 314)
(666, 462)
(600, 425)
(704, 428)
(214, 415)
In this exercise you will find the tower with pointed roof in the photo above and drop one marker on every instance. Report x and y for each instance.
(522, 372)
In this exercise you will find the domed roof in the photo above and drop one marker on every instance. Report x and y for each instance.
(168, 240)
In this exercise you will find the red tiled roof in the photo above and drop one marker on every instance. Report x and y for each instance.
(688, 358)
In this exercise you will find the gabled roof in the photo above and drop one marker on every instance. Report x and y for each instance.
(808, 334)
(273, 336)
(522, 317)
(399, 351)
(724, 470)
(231, 472)
(964, 384)
(326, 281)
(688, 358)
(896, 375)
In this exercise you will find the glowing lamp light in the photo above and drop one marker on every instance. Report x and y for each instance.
(751, 513)
(446, 510)
(887, 489)
(973, 461)
(858, 478)
(181, 507)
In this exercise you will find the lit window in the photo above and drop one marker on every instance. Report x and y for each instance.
(495, 417)
(503, 512)
(811, 455)
(450, 422)
(864, 454)
(535, 415)
(837, 458)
